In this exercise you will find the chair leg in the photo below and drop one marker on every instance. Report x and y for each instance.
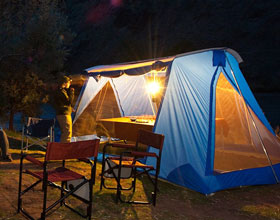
(102, 170)
(45, 187)
(62, 192)
(134, 181)
(89, 209)
(19, 185)
(102, 175)
(154, 194)
(151, 200)
(118, 197)
(101, 181)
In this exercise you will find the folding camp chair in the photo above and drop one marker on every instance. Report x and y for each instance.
(130, 164)
(38, 132)
(72, 182)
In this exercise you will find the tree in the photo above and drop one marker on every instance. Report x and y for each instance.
(34, 43)
(21, 89)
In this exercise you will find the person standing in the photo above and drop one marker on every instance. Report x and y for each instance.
(4, 146)
(64, 100)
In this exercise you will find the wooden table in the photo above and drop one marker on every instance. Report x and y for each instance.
(126, 129)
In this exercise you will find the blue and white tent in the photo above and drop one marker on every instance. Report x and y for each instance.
(216, 135)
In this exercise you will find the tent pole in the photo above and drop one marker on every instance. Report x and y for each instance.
(254, 124)
(77, 104)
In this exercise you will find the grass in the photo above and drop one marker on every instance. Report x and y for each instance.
(173, 202)
(263, 210)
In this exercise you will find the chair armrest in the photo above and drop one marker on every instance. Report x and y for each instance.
(34, 161)
(118, 158)
(125, 146)
(85, 160)
(143, 154)
(118, 145)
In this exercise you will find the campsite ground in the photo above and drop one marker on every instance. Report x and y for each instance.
(254, 202)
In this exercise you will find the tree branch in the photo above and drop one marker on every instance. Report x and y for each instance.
(9, 55)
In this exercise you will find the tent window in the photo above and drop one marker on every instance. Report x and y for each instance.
(104, 105)
(237, 143)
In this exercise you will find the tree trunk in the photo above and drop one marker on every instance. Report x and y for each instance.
(11, 120)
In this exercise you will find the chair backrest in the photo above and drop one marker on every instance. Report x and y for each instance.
(73, 150)
(38, 127)
(150, 138)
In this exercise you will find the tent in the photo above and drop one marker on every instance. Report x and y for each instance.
(216, 135)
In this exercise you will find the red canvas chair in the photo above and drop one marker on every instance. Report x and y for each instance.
(83, 151)
(129, 164)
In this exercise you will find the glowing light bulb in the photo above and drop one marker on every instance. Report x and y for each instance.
(153, 87)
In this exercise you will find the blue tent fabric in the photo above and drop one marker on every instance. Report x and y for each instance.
(219, 58)
(186, 117)
(210, 149)
(188, 131)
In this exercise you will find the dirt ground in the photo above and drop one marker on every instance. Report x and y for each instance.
(254, 202)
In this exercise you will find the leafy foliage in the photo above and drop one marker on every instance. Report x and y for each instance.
(38, 31)
(35, 41)
(21, 89)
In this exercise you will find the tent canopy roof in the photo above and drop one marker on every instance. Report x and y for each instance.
(144, 66)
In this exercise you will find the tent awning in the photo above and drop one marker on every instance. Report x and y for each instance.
(145, 66)
(133, 68)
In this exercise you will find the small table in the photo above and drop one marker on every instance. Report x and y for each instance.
(126, 129)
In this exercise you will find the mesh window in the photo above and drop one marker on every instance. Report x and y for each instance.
(104, 105)
(237, 141)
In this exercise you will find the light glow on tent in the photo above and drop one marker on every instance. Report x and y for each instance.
(153, 87)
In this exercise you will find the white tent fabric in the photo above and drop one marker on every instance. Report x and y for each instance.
(130, 93)
(132, 96)
(90, 91)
